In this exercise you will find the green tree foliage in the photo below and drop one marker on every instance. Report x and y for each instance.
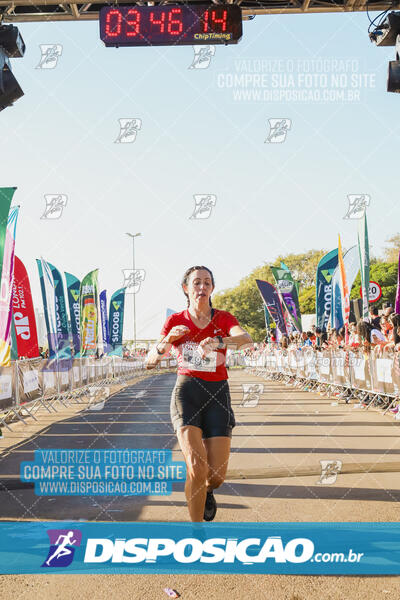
(391, 253)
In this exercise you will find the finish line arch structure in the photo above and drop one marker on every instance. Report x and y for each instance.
(20, 11)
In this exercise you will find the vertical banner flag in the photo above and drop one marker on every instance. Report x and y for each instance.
(323, 283)
(344, 289)
(117, 303)
(49, 304)
(363, 250)
(14, 349)
(397, 304)
(288, 291)
(272, 301)
(89, 314)
(62, 332)
(104, 321)
(6, 286)
(24, 313)
(352, 266)
(73, 286)
(6, 195)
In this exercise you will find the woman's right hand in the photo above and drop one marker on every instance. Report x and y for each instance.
(176, 332)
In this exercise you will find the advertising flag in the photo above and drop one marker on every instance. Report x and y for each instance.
(397, 304)
(104, 321)
(49, 305)
(23, 313)
(363, 249)
(73, 286)
(89, 320)
(272, 301)
(6, 286)
(117, 303)
(6, 196)
(62, 332)
(352, 266)
(289, 296)
(323, 283)
(344, 289)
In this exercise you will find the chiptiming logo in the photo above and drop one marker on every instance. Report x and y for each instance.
(62, 547)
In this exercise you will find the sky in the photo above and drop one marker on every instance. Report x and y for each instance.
(202, 132)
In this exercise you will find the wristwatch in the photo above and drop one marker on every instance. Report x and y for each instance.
(221, 342)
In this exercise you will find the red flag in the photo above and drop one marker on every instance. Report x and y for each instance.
(24, 315)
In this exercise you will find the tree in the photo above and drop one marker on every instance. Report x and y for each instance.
(391, 253)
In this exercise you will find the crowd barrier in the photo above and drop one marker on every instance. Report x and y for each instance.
(31, 383)
(374, 381)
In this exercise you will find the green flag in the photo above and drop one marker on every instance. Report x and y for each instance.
(363, 251)
(89, 314)
(6, 196)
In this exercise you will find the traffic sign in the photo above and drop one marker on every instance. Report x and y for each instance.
(375, 291)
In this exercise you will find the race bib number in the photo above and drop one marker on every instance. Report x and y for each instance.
(194, 361)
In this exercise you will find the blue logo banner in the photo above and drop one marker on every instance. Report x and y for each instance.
(282, 548)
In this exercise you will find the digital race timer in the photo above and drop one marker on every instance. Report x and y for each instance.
(169, 25)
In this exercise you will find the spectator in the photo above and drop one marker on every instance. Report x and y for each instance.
(386, 326)
(375, 318)
(387, 309)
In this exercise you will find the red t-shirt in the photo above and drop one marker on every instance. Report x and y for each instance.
(212, 366)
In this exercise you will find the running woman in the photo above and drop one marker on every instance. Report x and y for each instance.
(201, 411)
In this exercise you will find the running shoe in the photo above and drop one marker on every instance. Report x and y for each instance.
(210, 508)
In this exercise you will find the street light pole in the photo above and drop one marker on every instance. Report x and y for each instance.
(134, 295)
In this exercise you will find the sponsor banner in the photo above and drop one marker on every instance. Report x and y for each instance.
(62, 333)
(209, 548)
(89, 314)
(23, 313)
(325, 270)
(363, 249)
(272, 301)
(104, 320)
(286, 286)
(344, 288)
(352, 266)
(6, 196)
(49, 304)
(117, 321)
(7, 278)
(73, 286)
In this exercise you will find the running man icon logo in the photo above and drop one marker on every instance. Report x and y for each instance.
(128, 129)
(278, 129)
(50, 55)
(203, 205)
(251, 394)
(202, 57)
(133, 279)
(62, 550)
(357, 205)
(55, 204)
(329, 471)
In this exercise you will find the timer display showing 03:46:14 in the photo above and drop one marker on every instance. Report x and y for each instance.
(170, 25)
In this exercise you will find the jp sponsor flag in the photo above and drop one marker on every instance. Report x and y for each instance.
(24, 313)
(117, 303)
(62, 333)
(89, 314)
(286, 286)
(323, 283)
(272, 301)
(104, 320)
(7, 277)
(49, 304)
(344, 288)
(73, 287)
(397, 303)
(352, 266)
(363, 250)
